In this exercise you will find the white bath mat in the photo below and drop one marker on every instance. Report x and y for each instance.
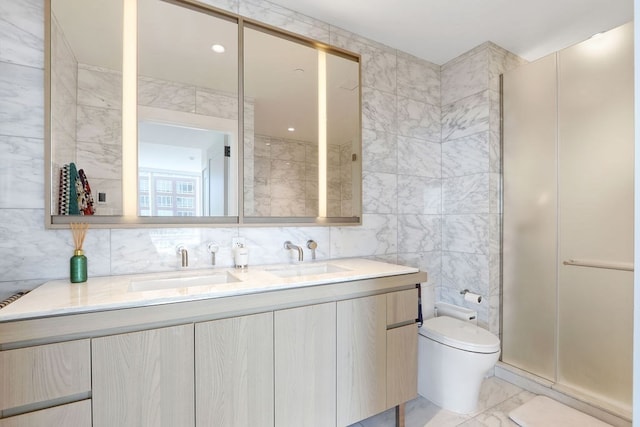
(544, 412)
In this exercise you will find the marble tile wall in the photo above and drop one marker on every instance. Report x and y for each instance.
(471, 178)
(430, 164)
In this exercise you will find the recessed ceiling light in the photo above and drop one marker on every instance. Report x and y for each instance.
(291, 129)
(217, 48)
(299, 70)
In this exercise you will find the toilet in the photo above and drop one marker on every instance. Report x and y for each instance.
(454, 355)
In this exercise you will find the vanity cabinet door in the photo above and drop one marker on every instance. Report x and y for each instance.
(402, 364)
(234, 372)
(45, 373)
(362, 358)
(144, 378)
(76, 414)
(305, 366)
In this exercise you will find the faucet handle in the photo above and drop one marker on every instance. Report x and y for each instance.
(213, 247)
(184, 255)
(313, 245)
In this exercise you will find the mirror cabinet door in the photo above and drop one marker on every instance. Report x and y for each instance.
(301, 129)
(86, 102)
(187, 112)
(297, 130)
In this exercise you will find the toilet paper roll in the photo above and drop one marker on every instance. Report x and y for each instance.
(473, 298)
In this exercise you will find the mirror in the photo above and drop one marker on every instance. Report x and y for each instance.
(187, 112)
(196, 151)
(302, 129)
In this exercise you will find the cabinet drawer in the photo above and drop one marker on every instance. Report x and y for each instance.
(402, 306)
(77, 414)
(42, 373)
(402, 364)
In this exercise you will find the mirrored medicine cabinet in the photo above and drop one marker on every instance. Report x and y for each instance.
(179, 114)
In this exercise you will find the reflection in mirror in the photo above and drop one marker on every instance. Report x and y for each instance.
(86, 100)
(301, 127)
(187, 112)
(184, 102)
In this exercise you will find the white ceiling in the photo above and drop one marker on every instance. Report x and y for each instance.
(440, 30)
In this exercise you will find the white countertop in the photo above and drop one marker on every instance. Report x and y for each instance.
(61, 297)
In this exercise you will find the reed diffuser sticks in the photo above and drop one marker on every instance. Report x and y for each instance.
(79, 231)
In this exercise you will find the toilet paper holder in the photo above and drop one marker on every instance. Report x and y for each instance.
(470, 296)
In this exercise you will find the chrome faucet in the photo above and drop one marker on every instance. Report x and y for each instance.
(288, 245)
(184, 255)
(313, 245)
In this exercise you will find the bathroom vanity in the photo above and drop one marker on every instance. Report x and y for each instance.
(324, 344)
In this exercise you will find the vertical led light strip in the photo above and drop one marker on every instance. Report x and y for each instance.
(129, 108)
(322, 133)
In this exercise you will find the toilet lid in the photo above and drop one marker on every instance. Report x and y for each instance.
(460, 334)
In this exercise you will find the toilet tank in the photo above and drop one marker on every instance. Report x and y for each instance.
(445, 309)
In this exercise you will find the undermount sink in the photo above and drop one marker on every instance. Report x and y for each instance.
(181, 282)
(306, 270)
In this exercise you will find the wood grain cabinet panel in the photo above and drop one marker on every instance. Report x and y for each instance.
(402, 306)
(234, 372)
(402, 364)
(42, 373)
(76, 414)
(362, 358)
(144, 378)
(305, 366)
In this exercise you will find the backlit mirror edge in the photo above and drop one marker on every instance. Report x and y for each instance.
(116, 221)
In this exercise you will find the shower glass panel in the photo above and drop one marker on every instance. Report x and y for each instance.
(530, 205)
(568, 153)
(596, 155)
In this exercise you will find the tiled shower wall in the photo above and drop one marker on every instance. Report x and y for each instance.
(429, 198)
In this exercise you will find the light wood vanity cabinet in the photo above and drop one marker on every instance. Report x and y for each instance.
(305, 366)
(234, 372)
(377, 354)
(42, 376)
(323, 356)
(144, 378)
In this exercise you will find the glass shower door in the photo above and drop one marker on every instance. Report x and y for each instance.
(596, 166)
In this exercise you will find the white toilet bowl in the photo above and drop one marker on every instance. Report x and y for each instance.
(453, 358)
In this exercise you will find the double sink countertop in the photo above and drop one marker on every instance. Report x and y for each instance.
(60, 297)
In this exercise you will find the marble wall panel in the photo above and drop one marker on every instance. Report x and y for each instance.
(378, 235)
(419, 158)
(466, 155)
(466, 194)
(419, 233)
(465, 76)
(99, 87)
(465, 117)
(21, 101)
(419, 195)
(379, 111)
(379, 193)
(418, 119)
(21, 182)
(217, 104)
(99, 125)
(100, 160)
(466, 233)
(22, 32)
(379, 151)
(165, 94)
(31, 252)
(418, 79)
(378, 62)
(431, 262)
